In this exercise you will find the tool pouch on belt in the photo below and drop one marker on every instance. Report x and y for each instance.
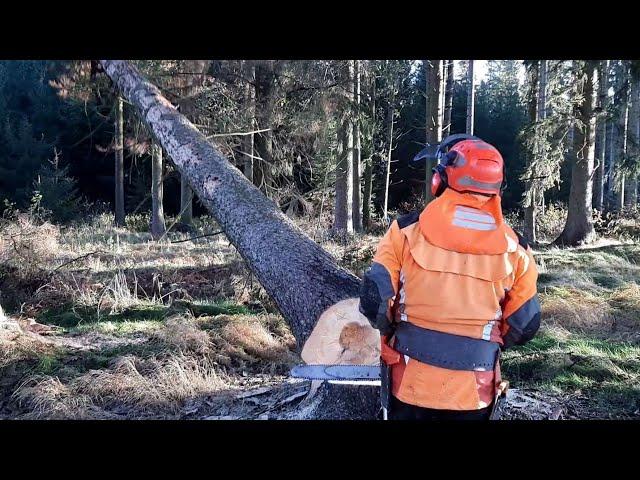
(388, 357)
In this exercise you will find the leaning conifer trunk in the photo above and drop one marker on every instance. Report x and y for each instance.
(301, 277)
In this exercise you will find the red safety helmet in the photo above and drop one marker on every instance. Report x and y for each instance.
(468, 164)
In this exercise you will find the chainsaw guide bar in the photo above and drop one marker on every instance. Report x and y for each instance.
(348, 374)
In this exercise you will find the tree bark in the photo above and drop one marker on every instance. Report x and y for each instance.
(343, 221)
(158, 227)
(601, 136)
(433, 125)
(119, 163)
(357, 165)
(579, 226)
(279, 254)
(448, 100)
(471, 94)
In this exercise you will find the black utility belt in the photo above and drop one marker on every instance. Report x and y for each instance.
(445, 350)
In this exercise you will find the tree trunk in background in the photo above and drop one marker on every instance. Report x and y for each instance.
(357, 165)
(158, 227)
(119, 163)
(368, 169)
(186, 202)
(541, 112)
(631, 184)
(265, 95)
(601, 136)
(448, 100)
(621, 135)
(579, 226)
(189, 110)
(433, 125)
(387, 171)
(344, 175)
(529, 228)
(471, 94)
(609, 195)
(250, 108)
(265, 238)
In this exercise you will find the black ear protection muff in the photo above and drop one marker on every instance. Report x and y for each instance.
(446, 158)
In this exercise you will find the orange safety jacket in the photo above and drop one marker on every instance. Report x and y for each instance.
(458, 285)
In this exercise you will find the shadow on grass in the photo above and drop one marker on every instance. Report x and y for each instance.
(70, 315)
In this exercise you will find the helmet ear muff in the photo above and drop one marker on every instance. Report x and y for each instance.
(439, 180)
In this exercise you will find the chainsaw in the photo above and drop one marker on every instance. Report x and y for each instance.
(373, 375)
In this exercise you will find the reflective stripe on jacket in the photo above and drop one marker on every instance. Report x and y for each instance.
(454, 269)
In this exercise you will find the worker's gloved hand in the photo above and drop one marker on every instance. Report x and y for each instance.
(373, 302)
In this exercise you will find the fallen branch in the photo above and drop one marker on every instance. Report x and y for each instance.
(76, 259)
(199, 236)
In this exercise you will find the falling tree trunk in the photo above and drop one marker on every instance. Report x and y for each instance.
(433, 125)
(119, 163)
(529, 228)
(357, 165)
(601, 136)
(265, 238)
(448, 100)
(579, 226)
(343, 221)
(158, 228)
(631, 184)
(471, 93)
(249, 107)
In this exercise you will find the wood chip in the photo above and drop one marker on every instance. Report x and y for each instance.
(253, 393)
(291, 398)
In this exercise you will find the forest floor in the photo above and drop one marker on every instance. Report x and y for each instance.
(114, 325)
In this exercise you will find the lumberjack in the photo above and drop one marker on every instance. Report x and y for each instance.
(448, 289)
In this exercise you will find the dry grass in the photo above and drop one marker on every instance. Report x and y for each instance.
(25, 243)
(576, 310)
(182, 332)
(151, 386)
(17, 346)
(249, 338)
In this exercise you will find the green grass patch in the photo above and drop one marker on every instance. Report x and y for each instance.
(69, 315)
(607, 372)
(202, 309)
